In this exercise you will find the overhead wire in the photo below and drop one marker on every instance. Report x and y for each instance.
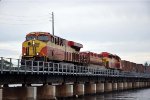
(23, 20)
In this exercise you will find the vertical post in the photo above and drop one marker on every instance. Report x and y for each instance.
(43, 67)
(53, 67)
(73, 69)
(66, 69)
(62, 68)
(53, 23)
(25, 66)
(58, 68)
(2, 64)
(32, 67)
(10, 65)
(18, 65)
(38, 67)
(48, 67)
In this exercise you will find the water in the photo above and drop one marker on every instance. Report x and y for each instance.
(141, 94)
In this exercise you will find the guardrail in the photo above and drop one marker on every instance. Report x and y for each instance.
(19, 66)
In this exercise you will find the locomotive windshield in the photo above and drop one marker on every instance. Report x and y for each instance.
(31, 37)
(43, 38)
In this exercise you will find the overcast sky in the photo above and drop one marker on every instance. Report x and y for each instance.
(121, 27)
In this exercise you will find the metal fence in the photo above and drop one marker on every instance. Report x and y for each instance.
(9, 65)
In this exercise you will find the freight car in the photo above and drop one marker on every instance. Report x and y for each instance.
(128, 66)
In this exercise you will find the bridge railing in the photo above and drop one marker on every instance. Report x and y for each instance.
(9, 65)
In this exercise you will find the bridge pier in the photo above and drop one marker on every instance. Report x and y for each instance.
(129, 84)
(146, 84)
(107, 87)
(133, 85)
(90, 88)
(125, 85)
(114, 86)
(78, 89)
(120, 86)
(19, 93)
(1, 94)
(137, 84)
(99, 87)
(46, 92)
(142, 84)
(64, 90)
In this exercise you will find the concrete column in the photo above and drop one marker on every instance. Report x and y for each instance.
(31, 93)
(125, 85)
(78, 89)
(140, 83)
(107, 87)
(129, 85)
(19, 93)
(46, 92)
(99, 87)
(90, 88)
(1, 94)
(146, 84)
(64, 90)
(133, 85)
(137, 85)
(120, 86)
(114, 86)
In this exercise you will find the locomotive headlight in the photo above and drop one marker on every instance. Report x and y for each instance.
(37, 53)
(33, 42)
(24, 54)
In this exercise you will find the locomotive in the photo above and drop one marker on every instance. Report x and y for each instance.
(43, 46)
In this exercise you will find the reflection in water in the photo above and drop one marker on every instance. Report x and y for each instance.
(143, 94)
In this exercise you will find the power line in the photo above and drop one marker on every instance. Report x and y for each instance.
(22, 23)
(12, 15)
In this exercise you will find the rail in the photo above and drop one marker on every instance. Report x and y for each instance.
(9, 65)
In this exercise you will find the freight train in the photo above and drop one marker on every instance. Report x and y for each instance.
(43, 46)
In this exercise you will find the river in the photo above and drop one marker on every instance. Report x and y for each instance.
(140, 94)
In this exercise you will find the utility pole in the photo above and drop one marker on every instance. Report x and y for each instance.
(53, 23)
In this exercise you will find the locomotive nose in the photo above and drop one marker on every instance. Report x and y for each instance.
(32, 47)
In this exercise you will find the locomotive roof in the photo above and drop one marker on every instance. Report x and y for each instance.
(38, 33)
(71, 43)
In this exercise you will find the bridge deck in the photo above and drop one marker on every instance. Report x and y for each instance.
(37, 67)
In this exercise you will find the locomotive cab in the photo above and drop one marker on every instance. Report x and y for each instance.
(34, 47)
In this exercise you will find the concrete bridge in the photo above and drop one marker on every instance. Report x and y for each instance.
(63, 79)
